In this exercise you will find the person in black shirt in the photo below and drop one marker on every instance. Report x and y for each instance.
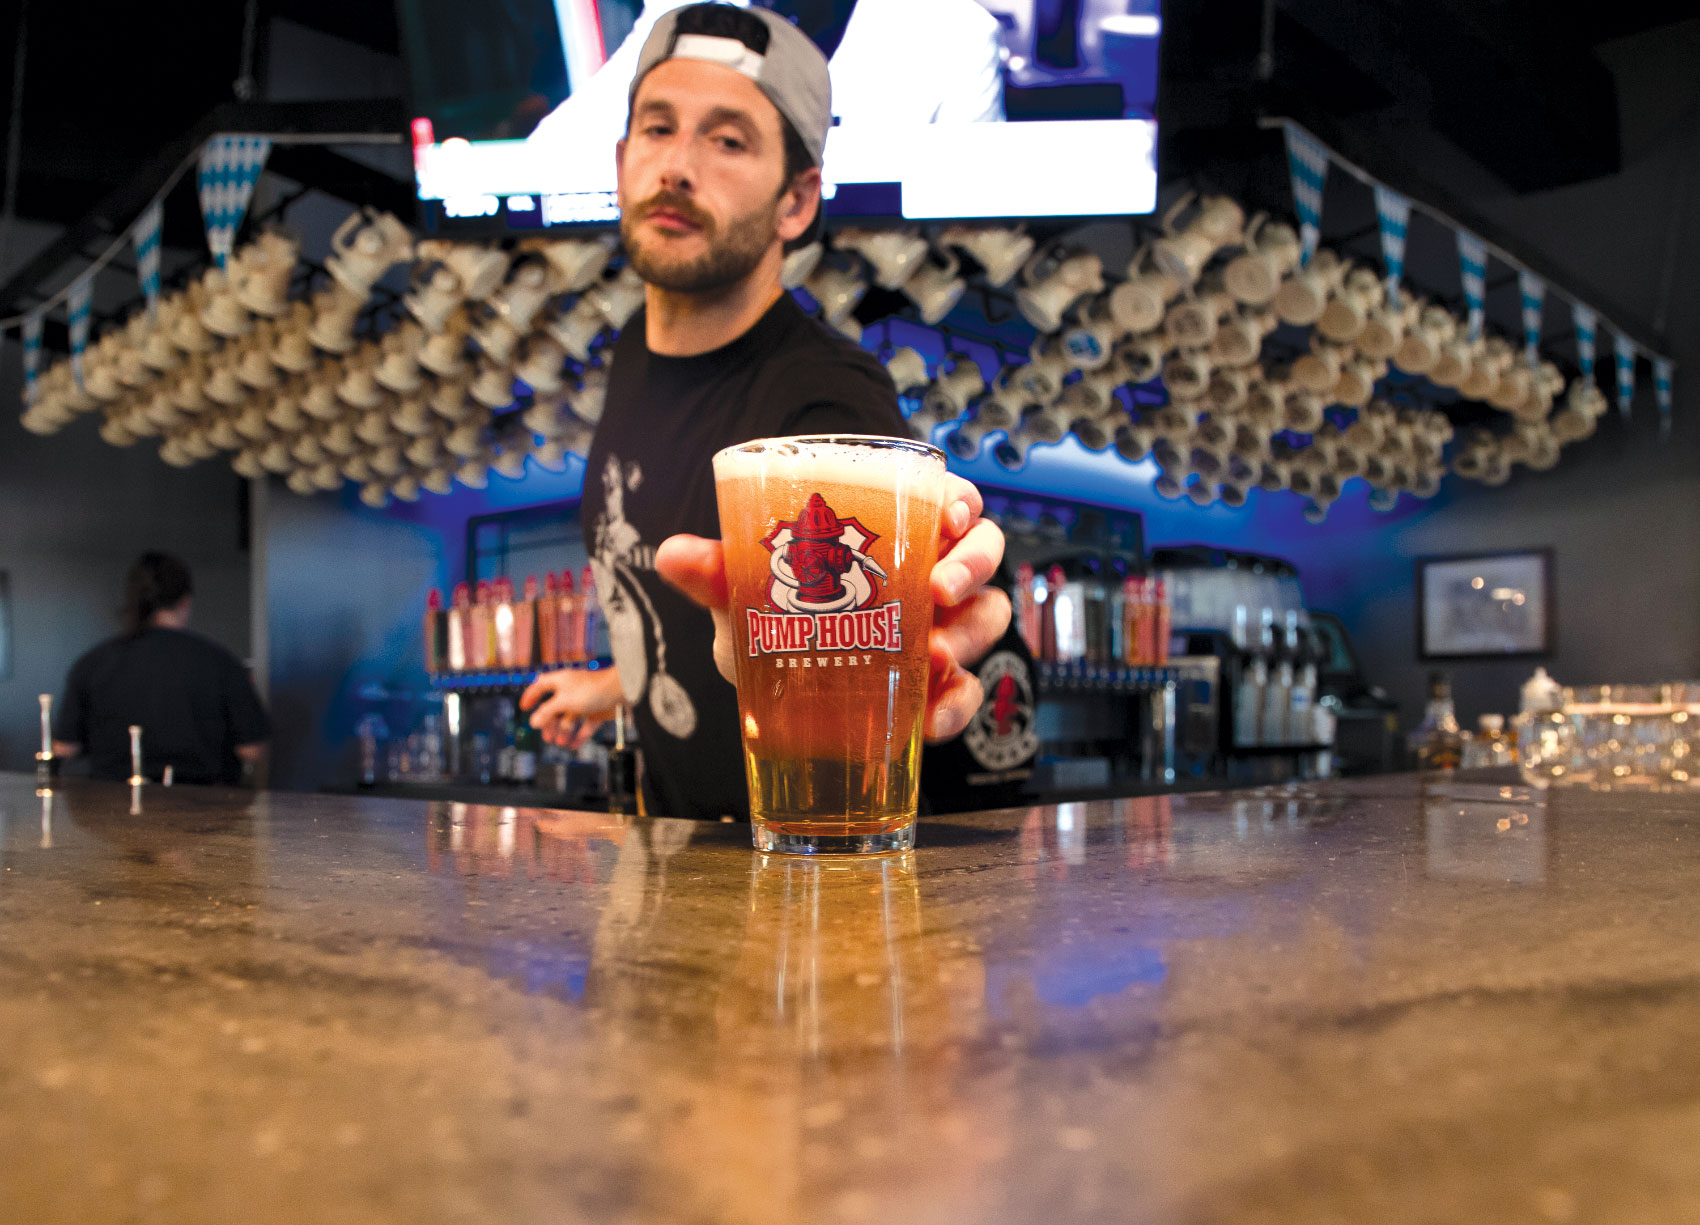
(719, 170)
(193, 700)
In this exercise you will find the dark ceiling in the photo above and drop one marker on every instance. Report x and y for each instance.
(1508, 82)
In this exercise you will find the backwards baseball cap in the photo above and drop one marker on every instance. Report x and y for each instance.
(766, 48)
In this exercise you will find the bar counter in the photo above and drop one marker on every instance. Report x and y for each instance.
(1389, 1000)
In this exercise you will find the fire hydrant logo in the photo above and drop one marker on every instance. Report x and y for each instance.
(820, 562)
(824, 588)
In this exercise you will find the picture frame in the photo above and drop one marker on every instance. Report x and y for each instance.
(1495, 605)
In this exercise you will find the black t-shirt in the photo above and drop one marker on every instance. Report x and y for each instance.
(650, 475)
(191, 698)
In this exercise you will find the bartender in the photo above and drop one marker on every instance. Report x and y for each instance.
(197, 708)
(719, 170)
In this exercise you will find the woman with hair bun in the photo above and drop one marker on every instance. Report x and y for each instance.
(197, 708)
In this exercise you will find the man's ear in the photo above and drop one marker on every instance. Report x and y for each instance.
(799, 204)
(619, 157)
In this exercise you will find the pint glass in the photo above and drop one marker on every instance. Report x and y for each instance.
(830, 543)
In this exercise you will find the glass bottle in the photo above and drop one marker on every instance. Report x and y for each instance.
(1437, 741)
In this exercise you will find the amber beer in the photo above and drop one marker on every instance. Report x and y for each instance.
(830, 544)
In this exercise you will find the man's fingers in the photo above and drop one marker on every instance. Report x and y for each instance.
(953, 698)
(696, 566)
(586, 729)
(965, 633)
(962, 506)
(535, 692)
(969, 564)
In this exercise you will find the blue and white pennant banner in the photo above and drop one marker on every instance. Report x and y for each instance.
(1662, 389)
(1307, 160)
(1624, 349)
(32, 357)
(1393, 214)
(230, 166)
(1472, 268)
(1534, 296)
(145, 234)
(77, 304)
(1586, 321)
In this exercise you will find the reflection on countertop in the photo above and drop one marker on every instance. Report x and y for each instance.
(1391, 1000)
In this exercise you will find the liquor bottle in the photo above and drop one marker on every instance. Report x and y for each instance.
(527, 748)
(481, 629)
(525, 627)
(590, 615)
(435, 648)
(1094, 614)
(1437, 741)
(622, 769)
(548, 653)
(1115, 606)
(459, 609)
(1160, 622)
(507, 731)
(1133, 621)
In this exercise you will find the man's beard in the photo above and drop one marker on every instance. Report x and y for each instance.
(729, 258)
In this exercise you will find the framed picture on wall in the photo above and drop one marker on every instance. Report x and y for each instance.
(1485, 605)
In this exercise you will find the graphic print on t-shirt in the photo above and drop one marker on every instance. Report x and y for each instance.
(618, 557)
(1004, 731)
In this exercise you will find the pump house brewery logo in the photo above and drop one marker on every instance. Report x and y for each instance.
(824, 589)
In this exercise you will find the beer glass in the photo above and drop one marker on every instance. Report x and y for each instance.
(830, 543)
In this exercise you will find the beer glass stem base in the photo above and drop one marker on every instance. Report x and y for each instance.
(771, 838)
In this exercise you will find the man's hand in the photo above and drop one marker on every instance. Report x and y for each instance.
(967, 619)
(572, 703)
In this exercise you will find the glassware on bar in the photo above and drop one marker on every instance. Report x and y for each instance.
(830, 544)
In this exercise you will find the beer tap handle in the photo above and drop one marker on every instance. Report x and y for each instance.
(44, 759)
(136, 776)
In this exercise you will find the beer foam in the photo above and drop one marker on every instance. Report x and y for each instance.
(838, 459)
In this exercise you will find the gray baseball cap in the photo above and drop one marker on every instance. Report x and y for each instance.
(776, 55)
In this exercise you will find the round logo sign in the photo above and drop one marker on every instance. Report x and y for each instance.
(1003, 732)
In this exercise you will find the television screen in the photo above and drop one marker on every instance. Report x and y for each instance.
(943, 109)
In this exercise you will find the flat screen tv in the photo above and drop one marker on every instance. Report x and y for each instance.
(943, 109)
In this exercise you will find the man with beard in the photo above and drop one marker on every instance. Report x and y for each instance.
(718, 171)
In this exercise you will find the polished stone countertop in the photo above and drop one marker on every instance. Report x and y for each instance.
(1385, 1001)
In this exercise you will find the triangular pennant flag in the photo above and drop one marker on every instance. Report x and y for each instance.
(78, 306)
(1534, 295)
(32, 357)
(1307, 160)
(1472, 268)
(1585, 321)
(230, 166)
(145, 234)
(1624, 348)
(1662, 389)
(1393, 214)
